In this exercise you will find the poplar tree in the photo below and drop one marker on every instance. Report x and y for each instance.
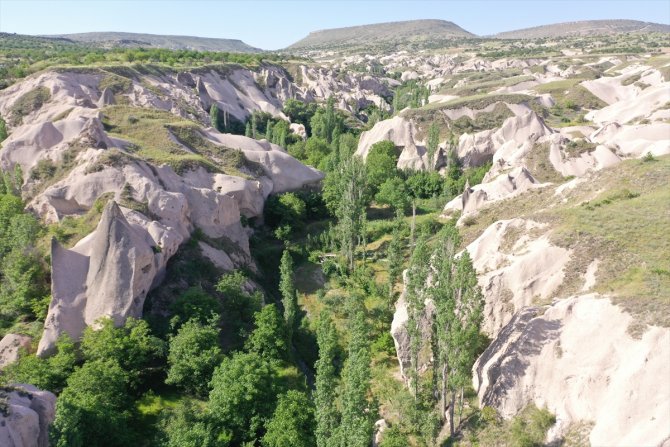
(288, 293)
(327, 416)
(214, 117)
(356, 426)
(416, 294)
(458, 317)
(433, 143)
(395, 258)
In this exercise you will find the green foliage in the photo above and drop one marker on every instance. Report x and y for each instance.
(433, 143)
(394, 193)
(28, 103)
(424, 184)
(268, 339)
(381, 164)
(243, 395)
(289, 294)
(194, 353)
(131, 346)
(300, 112)
(292, 424)
(286, 209)
(3, 130)
(355, 429)
(23, 276)
(327, 416)
(46, 373)
(187, 426)
(410, 94)
(393, 437)
(95, 408)
(239, 306)
(195, 304)
(327, 121)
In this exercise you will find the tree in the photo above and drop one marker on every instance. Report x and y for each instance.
(416, 294)
(269, 337)
(356, 425)
(433, 143)
(214, 117)
(325, 392)
(131, 346)
(394, 193)
(247, 130)
(292, 424)
(239, 306)
(194, 353)
(300, 112)
(195, 304)
(395, 258)
(95, 408)
(345, 195)
(288, 294)
(3, 130)
(285, 209)
(458, 316)
(187, 426)
(381, 164)
(243, 395)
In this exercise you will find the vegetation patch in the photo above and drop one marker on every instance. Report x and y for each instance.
(479, 102)
(150, 138)
(28, 103)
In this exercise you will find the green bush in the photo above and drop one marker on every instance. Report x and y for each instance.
(28, 103)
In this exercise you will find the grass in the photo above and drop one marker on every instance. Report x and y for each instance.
(151, 140)
(478, 102)
(28, 103)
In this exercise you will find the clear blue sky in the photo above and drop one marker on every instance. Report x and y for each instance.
(276, 24)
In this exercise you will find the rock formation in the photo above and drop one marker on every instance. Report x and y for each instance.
(26, 415)
(10, 347)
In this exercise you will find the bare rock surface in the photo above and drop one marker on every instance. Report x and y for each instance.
(10, 347)
(29, 412)
(577, 359)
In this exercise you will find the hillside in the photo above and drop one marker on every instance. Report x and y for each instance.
(457, 247)
(136, 40)
(585, 28)
(411, 31)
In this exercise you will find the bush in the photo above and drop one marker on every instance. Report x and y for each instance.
(285, 209)
(194, 353)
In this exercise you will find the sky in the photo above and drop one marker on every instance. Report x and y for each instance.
(275, 24)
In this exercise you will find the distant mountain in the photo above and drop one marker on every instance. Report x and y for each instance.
(133, 40)
(412, 31)
(585, 28)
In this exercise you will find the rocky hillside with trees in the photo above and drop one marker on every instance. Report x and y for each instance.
(457, 246)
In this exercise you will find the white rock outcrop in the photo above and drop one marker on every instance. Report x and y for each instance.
(578, 360)
(26, 419)
(503, 186)
(413, 154)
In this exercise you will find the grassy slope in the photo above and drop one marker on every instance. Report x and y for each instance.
(618, 217)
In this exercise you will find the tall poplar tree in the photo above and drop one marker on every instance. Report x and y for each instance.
(325, 392)
(288, 294)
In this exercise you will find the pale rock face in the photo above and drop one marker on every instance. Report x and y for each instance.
(503, 186)
(401, 132)
(30, 411)
(10, 347)
(514, 273)
(577, 360)
(108, 274)
(516, 133)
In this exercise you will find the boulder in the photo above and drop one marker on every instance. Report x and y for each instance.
(27, 415)
(10, 347)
